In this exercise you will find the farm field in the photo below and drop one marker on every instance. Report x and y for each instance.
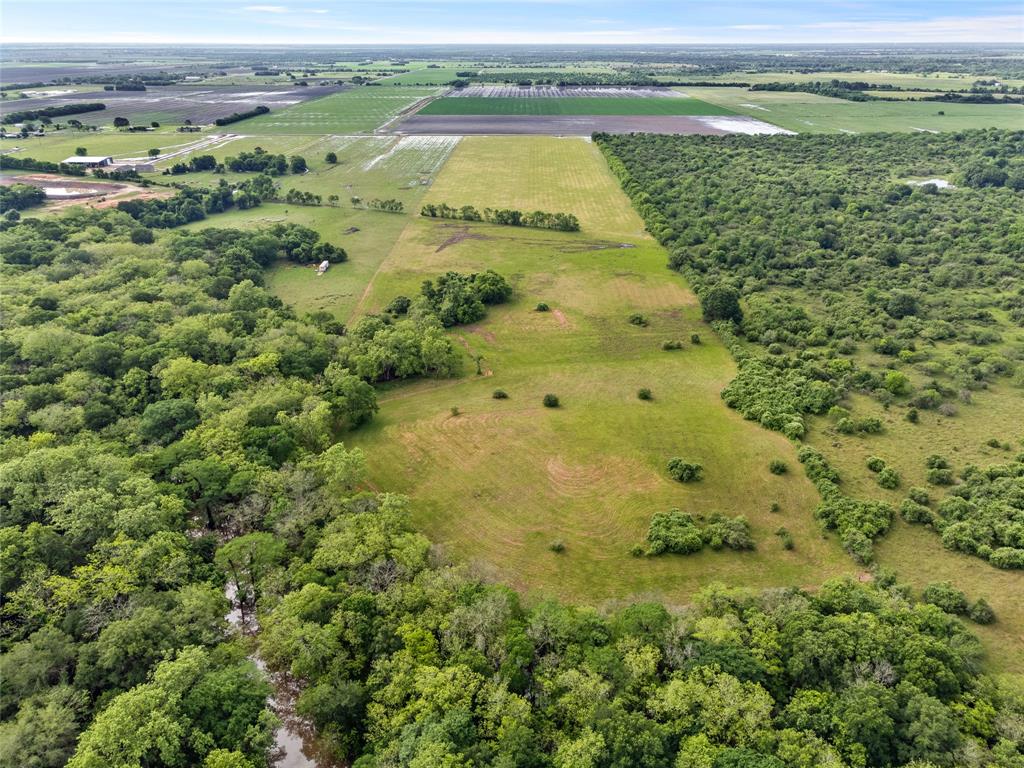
(596, 105)
(810, 113)
(176, 103)
(360, 110)
(581, 125)
(591, 472)
(932, 81)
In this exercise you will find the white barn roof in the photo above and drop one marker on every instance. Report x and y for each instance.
(87, 159)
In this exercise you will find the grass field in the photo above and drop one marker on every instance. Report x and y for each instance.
(941, 80)
(571, 106)
(808, 113)
(502, 479)
(360, 110)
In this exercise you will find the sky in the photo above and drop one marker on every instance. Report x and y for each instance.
(345, 22)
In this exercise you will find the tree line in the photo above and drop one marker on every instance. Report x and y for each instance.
(59, 110)
(564, 222)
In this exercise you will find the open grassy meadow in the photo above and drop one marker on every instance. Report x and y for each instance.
(572, 106)
(499, 481)
(810, 113)
(360, 110)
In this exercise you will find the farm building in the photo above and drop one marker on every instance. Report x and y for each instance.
(323, 267)
(87, 161)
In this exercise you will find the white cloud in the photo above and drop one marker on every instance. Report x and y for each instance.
(756, 26)
(319, 10)
(266, 8)
(974, 29)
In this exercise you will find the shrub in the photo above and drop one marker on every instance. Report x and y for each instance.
(695, 338)
(637, 550)
(557, 546)
(637, 319)
(778, 467)
(1007, 557)
(889, 479)
(674, 532)
(499, 394)
(331, 158)
(671, 344)
(876, 464)
(644, 394)
(786, 538)
(455, 410)
(542, 307)
(775, 507)
(935, 461)
(981, 612)
(724, 532)
(913, 512)
(947, 597)
(551, 401)
(939, 476)
(684, 471)
(919, 495)
(912, 416)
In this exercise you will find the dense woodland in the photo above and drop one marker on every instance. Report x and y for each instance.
(828, 273)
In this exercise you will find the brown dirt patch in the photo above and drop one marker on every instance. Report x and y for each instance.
(459, 235)
(563, 321)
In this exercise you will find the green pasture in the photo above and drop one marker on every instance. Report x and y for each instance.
(497, 482)
(359, 110)
(573, 105)
(809, 113)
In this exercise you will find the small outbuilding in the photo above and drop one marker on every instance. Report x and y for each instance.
(89, 161)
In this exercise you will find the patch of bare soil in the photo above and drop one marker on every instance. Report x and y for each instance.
(563, 321)
(460, 234)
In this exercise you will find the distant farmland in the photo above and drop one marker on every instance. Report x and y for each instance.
(597, 105)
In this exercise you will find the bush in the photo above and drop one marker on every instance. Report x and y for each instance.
(1007, 557)
(778, 467)
(695, 338)
(637, 319)
(331, 158)
(644, 394)
(721, 302)
(142, 235)
(947, 597)
(889, 479)
(913, 512)
(398, 306)
(499, 394)
(935, 461)
(912, 416)
(876, 464)
(940, 477)
(684, 471)
(919, 495)
(551, 401)
(731, 533)
(542, 307)
(557, 546)
(981, 612)
(786, 537)
(674, 532)
(671, 344)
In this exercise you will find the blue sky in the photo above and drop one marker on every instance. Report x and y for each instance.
(501, 21)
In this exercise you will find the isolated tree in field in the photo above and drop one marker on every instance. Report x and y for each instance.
(721, 302)
(121, 122)
(297, 164)
(81, 151)
(551, 401)
(331, 158)
(154, 152)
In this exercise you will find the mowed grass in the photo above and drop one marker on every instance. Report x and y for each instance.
(360, 110)
(496, 483)
(931, 81)
(571, 105)
(809, 113)
(368, 167)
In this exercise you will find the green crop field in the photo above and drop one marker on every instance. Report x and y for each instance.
(480, 105)
(934, 80)
(360, 110)
(501, 480)
(809, 113)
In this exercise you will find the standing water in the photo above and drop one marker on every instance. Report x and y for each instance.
(295, 742)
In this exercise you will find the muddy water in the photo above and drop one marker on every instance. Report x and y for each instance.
(295, 743)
